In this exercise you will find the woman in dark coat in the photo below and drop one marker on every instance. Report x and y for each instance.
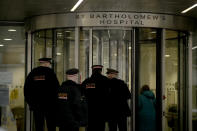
(147, 112)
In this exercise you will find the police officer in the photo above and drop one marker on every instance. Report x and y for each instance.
(40, 92)
(119, 109)
(96, 92)
(69, 97)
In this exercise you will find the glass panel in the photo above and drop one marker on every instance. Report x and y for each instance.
(49, 43)
(146, 85)
(42, 45)
(111, 49)
(194, 82)
(65, 51)
(84, 54)
(99, 37)
(147, 58)
(175, 81)
(59, 56)
(171, 81)
(12, 73)
(39, 46)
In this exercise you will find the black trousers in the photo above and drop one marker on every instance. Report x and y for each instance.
(120, 122)
(68, 128)
(96, 124)
(40, 116)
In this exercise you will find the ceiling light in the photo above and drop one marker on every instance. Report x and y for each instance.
(167, 55)
(59, 33)
(11, 30)
(59, 53)
(7, 39)
(186, 10)
(76, 5)
(153, 32)
(194, 47)
(69, 37)
(1, 45)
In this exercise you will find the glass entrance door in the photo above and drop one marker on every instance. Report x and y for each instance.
(160, 65)
(175, 81)
(146, 79)
(143, 56)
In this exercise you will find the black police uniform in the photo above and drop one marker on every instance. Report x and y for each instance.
(40, 92)
(69, 105)
(119, 109)
(96, 92)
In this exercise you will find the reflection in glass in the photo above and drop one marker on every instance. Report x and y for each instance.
(42, 45)
(65, 51)
(59, 56)
(39, 46)
(171, 79)
(111, 49)
(175, 81)
(84, 54)
(49, 43)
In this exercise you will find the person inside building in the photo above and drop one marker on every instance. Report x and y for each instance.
(146, 110)
(96, 92)
(118, 102)
(69, 102)
(40, 92)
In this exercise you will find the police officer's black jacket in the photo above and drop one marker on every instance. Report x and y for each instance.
(118, 98)
(40, 88)
(96, 92)
(69, 105)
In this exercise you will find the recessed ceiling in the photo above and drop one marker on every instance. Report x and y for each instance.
(18, 10)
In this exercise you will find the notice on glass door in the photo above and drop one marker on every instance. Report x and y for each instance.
(4, 96)
(6, 78)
